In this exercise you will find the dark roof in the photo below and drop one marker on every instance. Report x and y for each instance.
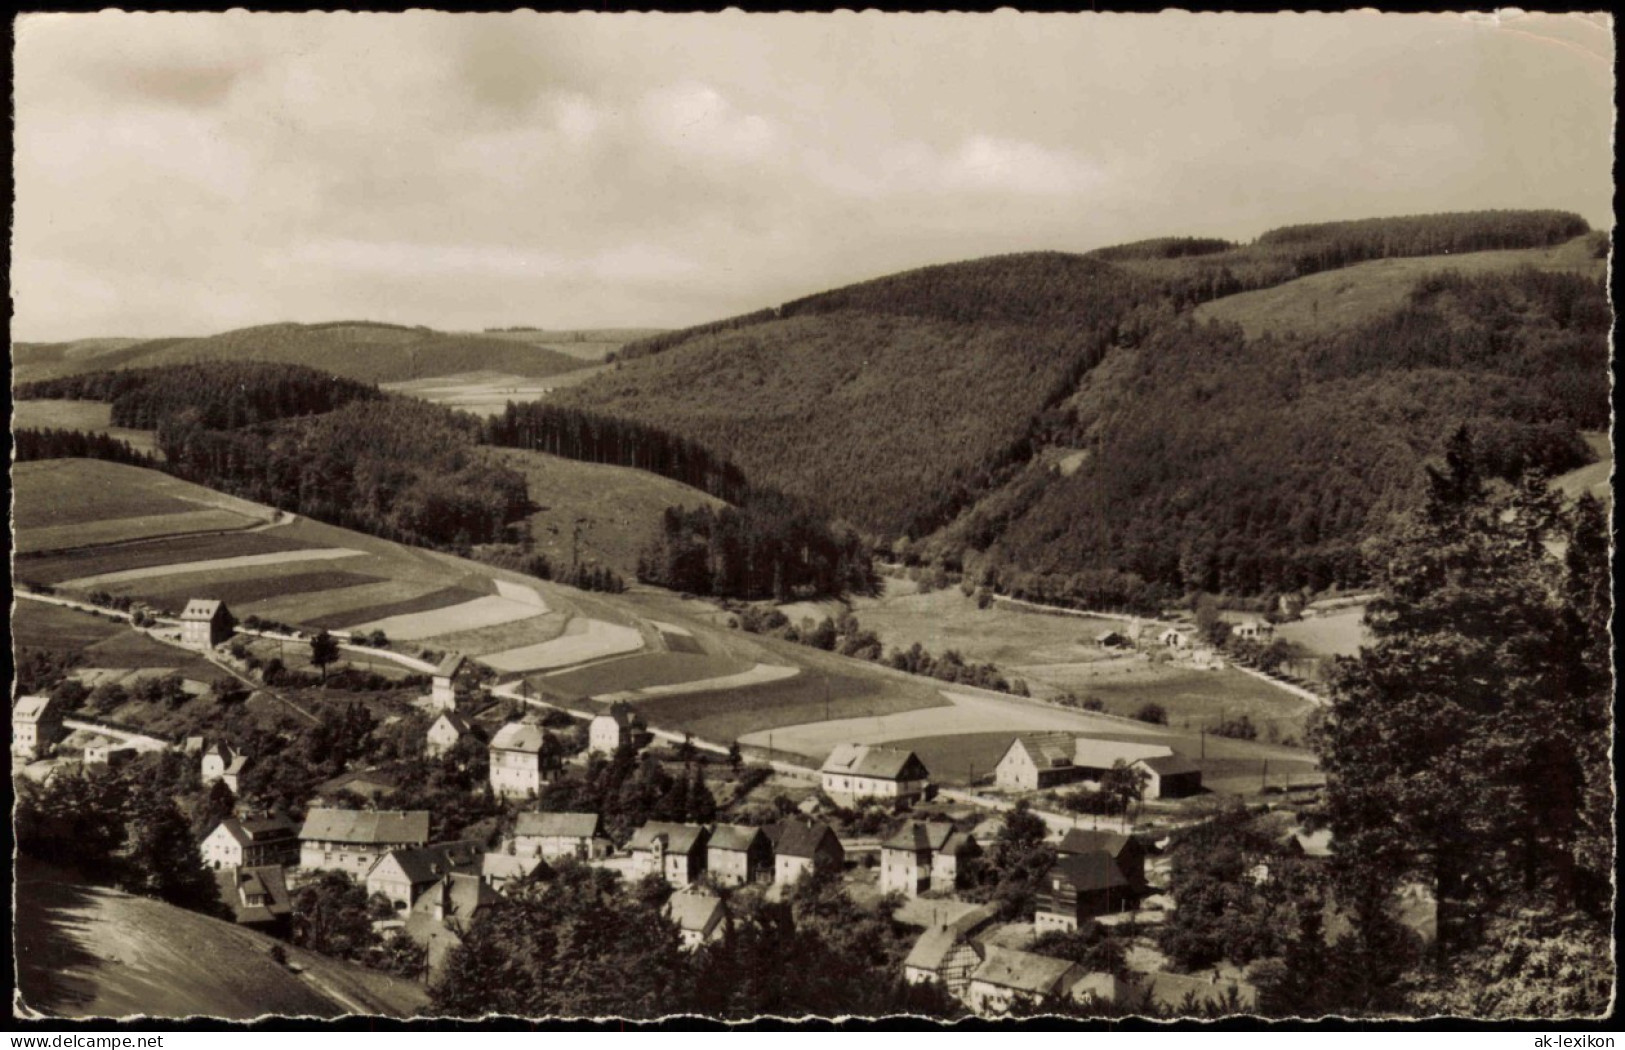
(1048, 750)
(463, 894)
(917, 835)
(733, 837)
(1169, 765)
(680, 838)
(267, 880)
(883, 763)
(931, 950)
(431, 863)
(366, 827)
(1083, 840)
(793, 838)
(1023, 971)
(1090, 871)
(457, 720)
(263, 828)
(559, 825)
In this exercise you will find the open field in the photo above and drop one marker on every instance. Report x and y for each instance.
(636, 672)
(735, 714)
(487, 611)
(759, 674)
(511, 635)
(1194, 698)
(206, 566)
(100, 643)
(88, 951)
(95, 561)
(92, 417)
(1336, 634)
(170, 594)
(124, 530)
(622, 507)
(947, 619)
(482, 393)
(582, 640)
(377, 601)
(587, 344)
(46, 626)
(131, 648)
(71, 491)
(1338, 300)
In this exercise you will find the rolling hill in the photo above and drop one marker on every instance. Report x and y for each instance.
(1157, 417)
(361, 350)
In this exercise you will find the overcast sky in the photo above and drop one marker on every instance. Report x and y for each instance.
(183, 174)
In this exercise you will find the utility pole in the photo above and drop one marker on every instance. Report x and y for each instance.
(1264, 783)
(826, 698)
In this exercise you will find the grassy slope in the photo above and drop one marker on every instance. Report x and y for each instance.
(1327, 302)
(87, 951)
(1593, 477)
(93, 417)
(622, 507)
(585, 344)
(369, 352)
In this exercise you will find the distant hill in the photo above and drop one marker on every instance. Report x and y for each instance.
(586, 344)
(1069, 417)
(89, 951)
(362, 350)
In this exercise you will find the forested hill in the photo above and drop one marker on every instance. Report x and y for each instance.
(363, 350)
(1059, 414)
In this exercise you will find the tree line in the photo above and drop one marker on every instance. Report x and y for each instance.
(771, 548)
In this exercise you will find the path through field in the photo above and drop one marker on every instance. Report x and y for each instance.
(213, 565)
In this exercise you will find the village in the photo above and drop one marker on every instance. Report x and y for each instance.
(871, 816)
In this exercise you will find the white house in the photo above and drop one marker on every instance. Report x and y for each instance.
(554, 836)
(221, 762)
(401, 876)
(943, 954)
(205, 623)
(1035, 761)
(250, 843)
(1094, 757)
(36, 724)
(611, 731)
(1253, 629)
(857, 772)
(921, 856)
(353, 840)
(443, 735)
(675, 852)
(700, 916)
(1176, 638)
(443, 682)
(1170, 776)
(1006, 977)
(517, 754)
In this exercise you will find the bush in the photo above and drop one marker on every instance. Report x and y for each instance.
(1239, 728)
(1153, 713)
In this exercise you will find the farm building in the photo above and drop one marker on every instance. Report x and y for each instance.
(1124, 849)
(555, 836)
(401, 876)
(105, 751)
(500, 870)
(1094, 757)
(1253, 629)
(921, 856)
(452, 672)
(251, 842)
(205, 624)
(1035, 761)
(257, 895)
(367, 785)
(1006, 977)
(675, 852)
(700, 917)
(610, 732)
(352, 840)
(221, 762)
(1112, 639)
(443, 735)
(1171, 776)
(736, 855)
(520, 755)
(798, 845)
(446, 909)
(857, 772)
(36, 725)
(943, 954)
(1080, 887)
(1176, 638)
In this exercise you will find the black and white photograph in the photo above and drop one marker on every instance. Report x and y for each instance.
(1078, 520)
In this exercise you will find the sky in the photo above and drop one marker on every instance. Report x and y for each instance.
(184, 174)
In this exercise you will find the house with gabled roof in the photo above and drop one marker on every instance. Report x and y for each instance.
(443, 915)
(1093, 756)
(36, 726)
(443, 681)
(257, 895)
(501, 870)
(519, 753)
(736, 855)
(205, 623)
(556, 836)
(1006, 977)
(353, 840)
(944, 954)
(250, 842)
(220, 761)
(445, 732)
(1081, 887)
(611, 731)
(401, 876)
(1126, 850)
(1036, 761)
(855, 773)
(700, 917)
(676, 852)
(799, 845)
(1170, 776)
(921, 856)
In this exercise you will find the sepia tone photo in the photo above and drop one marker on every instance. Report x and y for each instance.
(1089, 516)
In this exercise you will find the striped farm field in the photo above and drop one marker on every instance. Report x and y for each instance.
(758, 674)
(515, 634)
(123, 530)
(582, 640)
(637, 672)
(345, 609)
(731, 714)
(42, 625)
(486, 611)
(171, 594)
(205, 566)
(52, 492)
(68, 565)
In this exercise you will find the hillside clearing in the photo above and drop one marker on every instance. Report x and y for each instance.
(124, 530)
(209, 565)
(1334, 634)
(92, 417)
(341, 609)
(93, 561)
(583, 640)
(74, 491)
(487, 611)
(635, 672)
(757, 675)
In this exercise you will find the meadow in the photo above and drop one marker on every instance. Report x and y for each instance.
(95, 561)
(93, 417)
(636, 672)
